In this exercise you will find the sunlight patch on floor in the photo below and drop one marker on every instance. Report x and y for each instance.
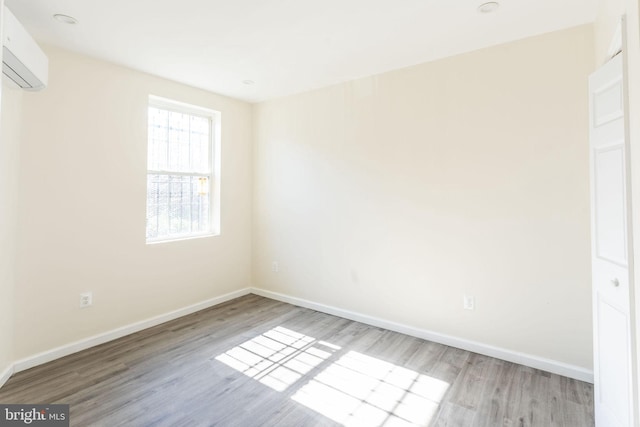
(360, 390)
(278, 358)
(355, 390)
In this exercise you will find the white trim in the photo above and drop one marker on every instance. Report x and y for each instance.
(83, 344)
(183, 107)
(182, 239)
(532, 361)
(6, 374)
(536, 362)
(174, 173)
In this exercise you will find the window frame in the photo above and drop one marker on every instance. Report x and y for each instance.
(213, 174)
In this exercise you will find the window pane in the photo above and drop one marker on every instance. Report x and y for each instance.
(200, 130)
(177, 206)
(158, 137)
(178, 142)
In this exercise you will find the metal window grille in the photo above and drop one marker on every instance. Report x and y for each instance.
(179, 174)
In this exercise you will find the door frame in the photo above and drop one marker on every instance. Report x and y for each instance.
(632, 134)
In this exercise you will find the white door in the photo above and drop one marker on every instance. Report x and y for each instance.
(611, 238)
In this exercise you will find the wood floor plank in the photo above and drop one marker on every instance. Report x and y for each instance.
(466, 391)
(253, 361)
(452, 415)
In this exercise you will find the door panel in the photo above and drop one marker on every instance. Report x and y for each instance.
(610, 231)
(610, 206)
(608, 102)
(612, 373)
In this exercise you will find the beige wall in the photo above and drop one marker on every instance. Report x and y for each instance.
(82, 207)
(9, 160)
(395, 195)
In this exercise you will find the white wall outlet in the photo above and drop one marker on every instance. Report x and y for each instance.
(86, 299)
(469, 302)
(275, 267)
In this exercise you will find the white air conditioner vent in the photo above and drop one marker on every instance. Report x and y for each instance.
(23, 62)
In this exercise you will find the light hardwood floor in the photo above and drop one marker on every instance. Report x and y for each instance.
(258, 362)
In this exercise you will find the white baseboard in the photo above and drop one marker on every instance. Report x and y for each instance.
(74, 347)
(6, 374)
(536, 362)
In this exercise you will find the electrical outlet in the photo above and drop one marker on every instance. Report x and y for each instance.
(469, 302)
(275, 267)
(86, 299)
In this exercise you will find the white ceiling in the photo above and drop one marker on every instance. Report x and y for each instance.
(286, 46)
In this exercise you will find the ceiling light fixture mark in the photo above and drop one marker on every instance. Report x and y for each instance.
(65, 19)
(488, 7)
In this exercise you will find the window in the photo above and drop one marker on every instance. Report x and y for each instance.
(182, 182)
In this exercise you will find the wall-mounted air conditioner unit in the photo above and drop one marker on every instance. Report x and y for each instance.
(23, 61)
